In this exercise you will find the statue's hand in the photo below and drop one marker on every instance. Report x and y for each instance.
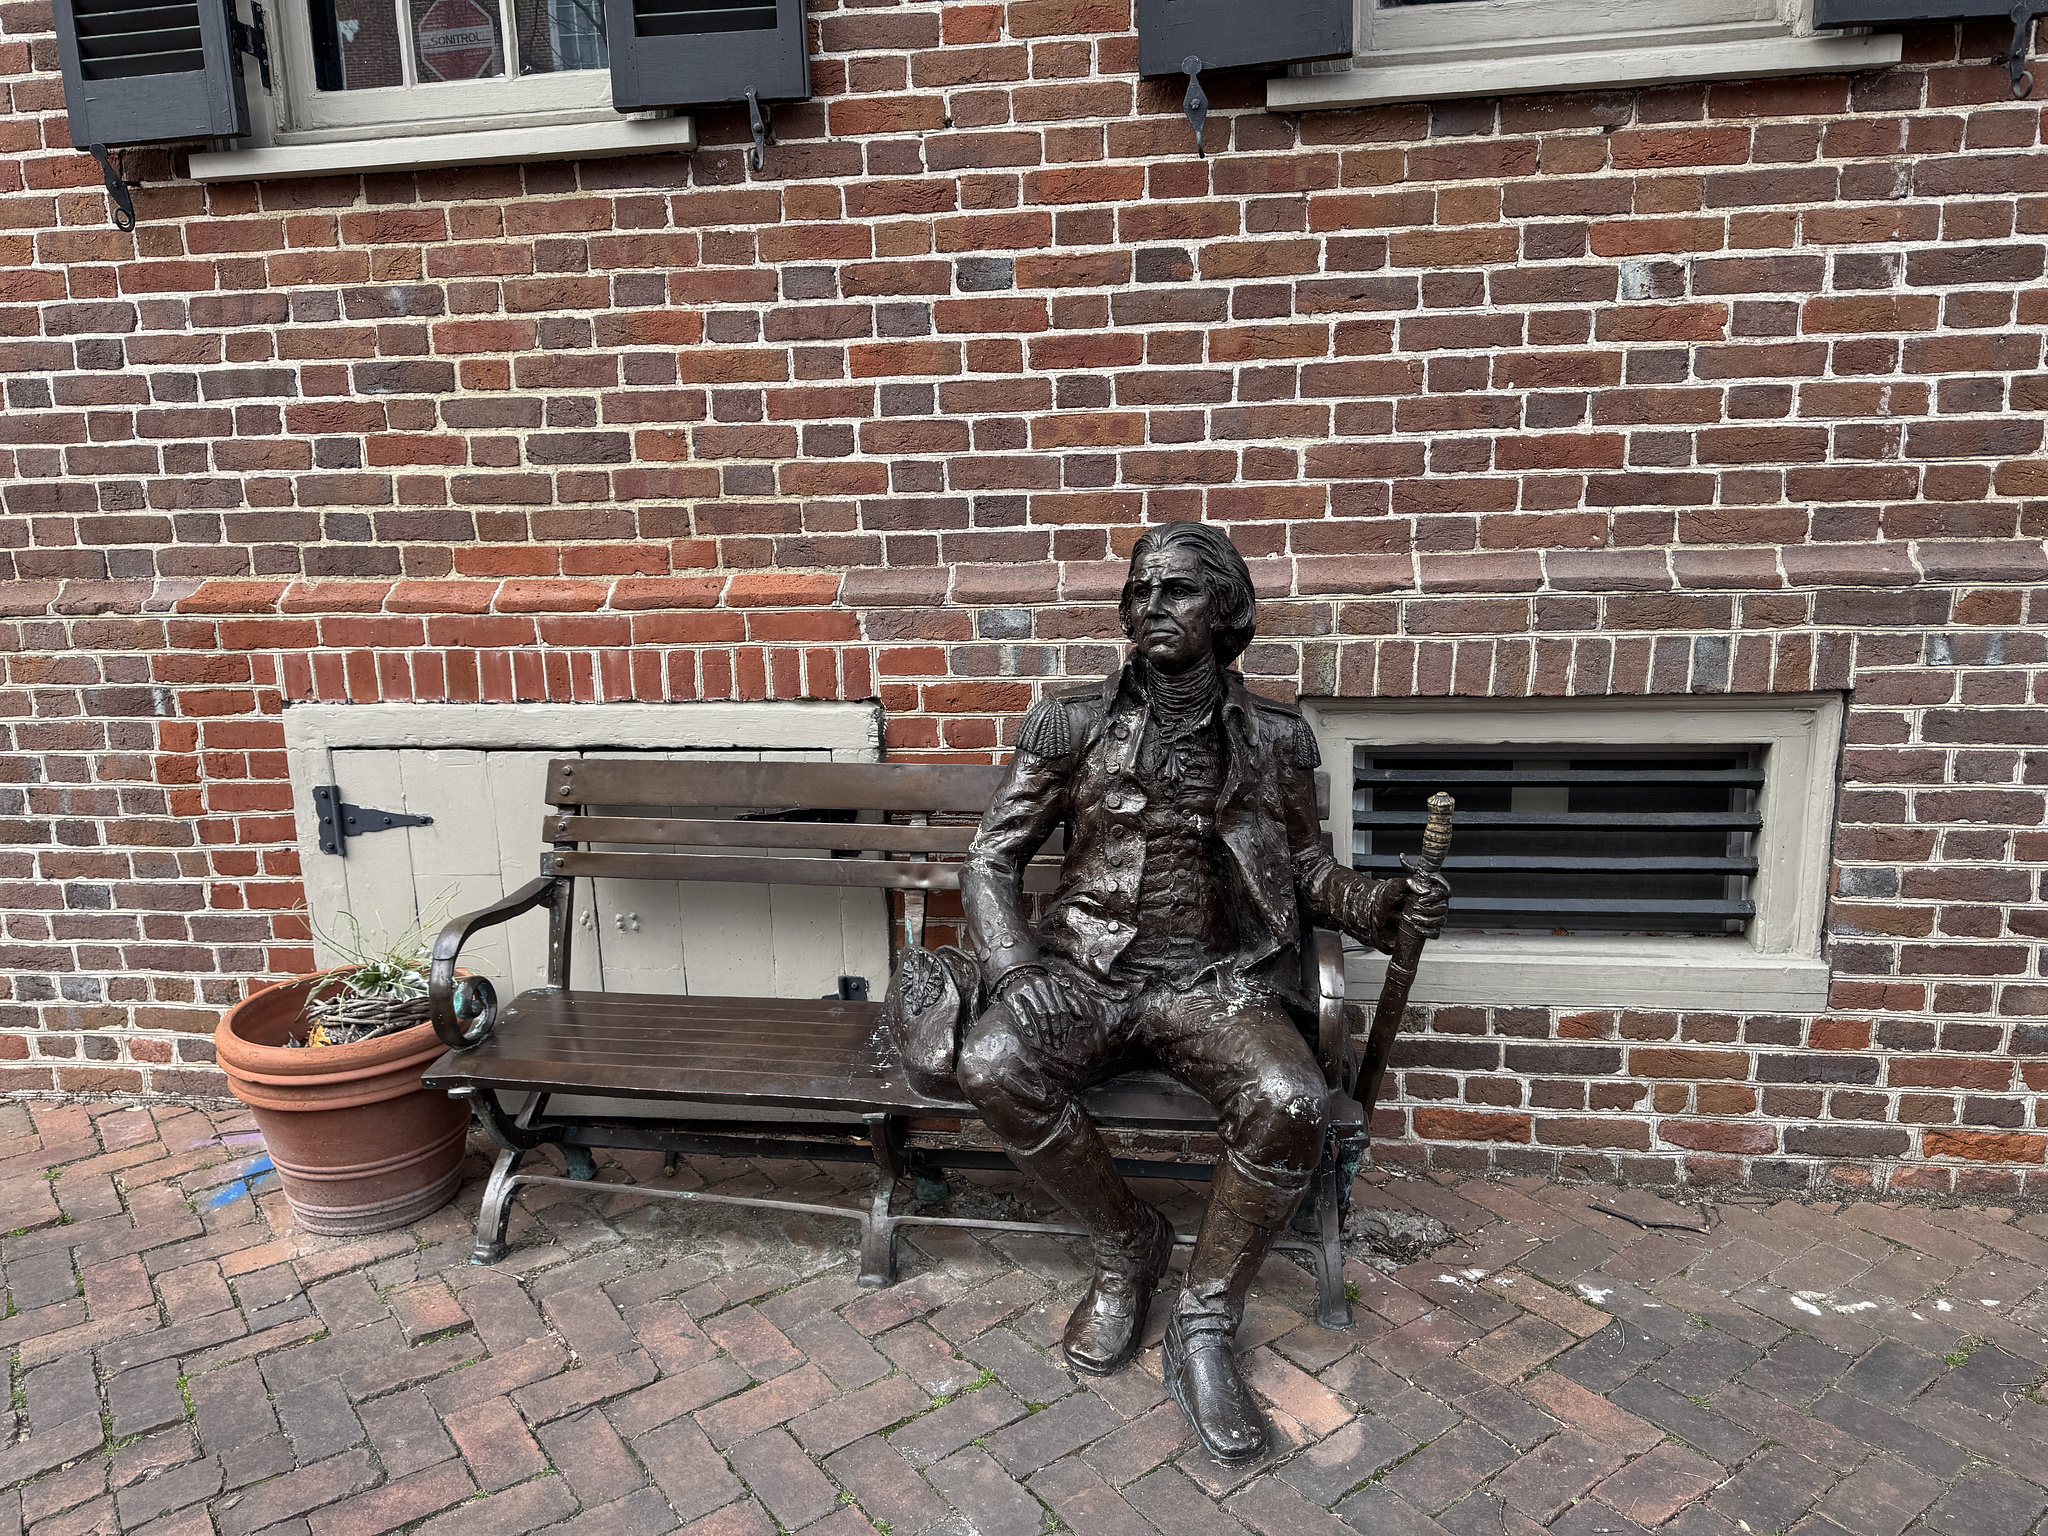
(1424, 903)
(1040, 1008)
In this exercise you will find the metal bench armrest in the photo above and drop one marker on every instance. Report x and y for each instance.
(1333, 1038)
(448, 945)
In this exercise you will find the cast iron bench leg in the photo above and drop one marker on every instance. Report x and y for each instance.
(514, 1138)
(878, 1231)
(1333, 1309)
(496, 1212)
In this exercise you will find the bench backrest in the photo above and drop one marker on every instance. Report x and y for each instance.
(811, 806)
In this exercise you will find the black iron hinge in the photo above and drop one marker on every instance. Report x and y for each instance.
(340, 821)
(252, 38)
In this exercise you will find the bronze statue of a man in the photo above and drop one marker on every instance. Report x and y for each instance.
(1194, 863)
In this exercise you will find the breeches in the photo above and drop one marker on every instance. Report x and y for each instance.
(1238, 1049)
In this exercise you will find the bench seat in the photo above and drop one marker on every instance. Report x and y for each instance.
(783, 1053)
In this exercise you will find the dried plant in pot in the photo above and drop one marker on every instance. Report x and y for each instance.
(330, 1066)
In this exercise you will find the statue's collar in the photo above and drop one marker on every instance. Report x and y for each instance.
(1125, 687)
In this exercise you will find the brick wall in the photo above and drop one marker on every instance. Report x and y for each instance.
(1693, 389)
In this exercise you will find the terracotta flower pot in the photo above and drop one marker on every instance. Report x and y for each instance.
(359, 1145)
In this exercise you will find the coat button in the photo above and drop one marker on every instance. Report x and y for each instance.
(1116, 858)
(1123, 731)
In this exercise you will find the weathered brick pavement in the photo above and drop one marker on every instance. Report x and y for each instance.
(182, 1362)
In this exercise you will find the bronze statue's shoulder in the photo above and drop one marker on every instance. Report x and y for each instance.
(1059, 722)
(1287, 731)
(1273, 706)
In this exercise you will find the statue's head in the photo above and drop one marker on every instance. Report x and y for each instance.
(1188, 594)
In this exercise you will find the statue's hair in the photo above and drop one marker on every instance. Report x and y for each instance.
(1232, 603)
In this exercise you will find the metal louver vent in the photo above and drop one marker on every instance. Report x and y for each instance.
(120, 40)
(695, 18)
(1650, 840)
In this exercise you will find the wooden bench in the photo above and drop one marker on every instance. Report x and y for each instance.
(880, 826)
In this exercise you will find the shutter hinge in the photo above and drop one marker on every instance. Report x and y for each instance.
(117, 187)
(2023, 14)
(1195, 104)
(252, 38)
(764, 132)
(339, 821)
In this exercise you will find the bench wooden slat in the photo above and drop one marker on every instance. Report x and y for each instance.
(932, 788)
(758, 869)
(844, 836)
(743, 869)
(847, 836)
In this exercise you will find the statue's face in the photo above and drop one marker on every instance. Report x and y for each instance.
(1169, 606)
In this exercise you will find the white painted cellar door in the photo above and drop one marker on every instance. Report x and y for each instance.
(630, 935)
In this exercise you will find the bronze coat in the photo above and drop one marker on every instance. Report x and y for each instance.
(1076, 764)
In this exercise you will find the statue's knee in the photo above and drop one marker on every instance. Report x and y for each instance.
(1292, 1109)
(991, 1059)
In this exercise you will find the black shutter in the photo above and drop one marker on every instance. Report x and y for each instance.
(1237, 34)
(695, 53)
(1891, 13)
(149, 71)
(1625, 840)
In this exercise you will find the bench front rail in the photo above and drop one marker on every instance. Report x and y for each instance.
(887, 826)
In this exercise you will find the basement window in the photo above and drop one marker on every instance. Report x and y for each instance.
(1663, 852)
(1569, 841)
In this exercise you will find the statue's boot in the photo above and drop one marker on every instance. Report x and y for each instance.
(1133, 1243)
(1200, 1358)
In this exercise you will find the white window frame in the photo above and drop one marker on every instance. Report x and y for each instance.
(308, 114)
(1777, 965)
(1514, 47)
(300, 130)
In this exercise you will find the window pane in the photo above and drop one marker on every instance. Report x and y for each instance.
(457, 40)
(557, 35)
(1566, 840)
(355, 45)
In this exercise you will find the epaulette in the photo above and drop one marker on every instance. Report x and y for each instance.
(1300, 749)
(1297, 743)
(1047, 732)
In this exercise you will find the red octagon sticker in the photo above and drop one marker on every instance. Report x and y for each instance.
(457, 39)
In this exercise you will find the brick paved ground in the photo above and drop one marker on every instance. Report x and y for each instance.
(182, 1362)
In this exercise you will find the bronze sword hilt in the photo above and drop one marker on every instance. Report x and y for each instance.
(1436, 837)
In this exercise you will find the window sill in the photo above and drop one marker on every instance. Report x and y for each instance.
(560, 141)
(1724, 975)
(1523, 73)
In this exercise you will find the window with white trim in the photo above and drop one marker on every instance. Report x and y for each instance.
(412, 65)
(311, 87)
(411, 84)
(1422, 50)
(1649, 853)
